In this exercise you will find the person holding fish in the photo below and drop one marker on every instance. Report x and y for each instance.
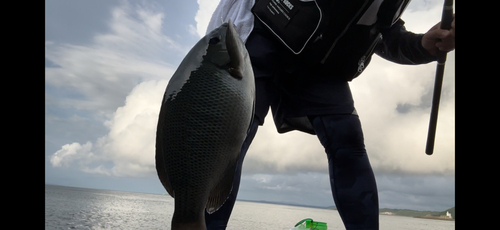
(303, 54)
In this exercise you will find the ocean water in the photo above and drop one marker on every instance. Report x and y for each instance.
(82, 208)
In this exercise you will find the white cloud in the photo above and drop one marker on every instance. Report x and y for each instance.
(192, 30)
(131, 140)
(101, 74)
(395, 141)
(202, 18)
(291, 152)
(69, 153)
(129, 145)
(124, 67)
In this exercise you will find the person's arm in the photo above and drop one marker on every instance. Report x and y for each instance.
(404, 47)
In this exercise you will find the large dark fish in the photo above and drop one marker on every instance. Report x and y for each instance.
(204, 118)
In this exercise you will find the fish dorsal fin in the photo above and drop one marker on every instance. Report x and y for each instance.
(220, 193)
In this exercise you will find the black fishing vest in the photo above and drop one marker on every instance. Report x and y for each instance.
(337, 37)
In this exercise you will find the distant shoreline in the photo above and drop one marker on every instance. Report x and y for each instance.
(420, 214)
(434, 218)
(383, 211)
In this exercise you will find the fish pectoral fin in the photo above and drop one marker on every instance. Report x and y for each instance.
(221, 191)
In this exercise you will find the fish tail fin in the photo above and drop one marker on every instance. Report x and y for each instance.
(181, 221)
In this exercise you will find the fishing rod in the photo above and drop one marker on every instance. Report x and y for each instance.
(446, 20)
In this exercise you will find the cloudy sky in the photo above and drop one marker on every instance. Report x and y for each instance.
(107, 64)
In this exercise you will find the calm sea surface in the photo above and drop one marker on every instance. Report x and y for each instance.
(82, 208)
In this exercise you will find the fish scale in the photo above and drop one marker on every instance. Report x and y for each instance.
(203, 121)
(207, 111)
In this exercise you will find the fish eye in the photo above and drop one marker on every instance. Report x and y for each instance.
(214, 40)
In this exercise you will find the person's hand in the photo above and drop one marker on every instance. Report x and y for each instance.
(437, 39)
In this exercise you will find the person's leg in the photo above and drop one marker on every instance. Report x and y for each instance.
(352, 180)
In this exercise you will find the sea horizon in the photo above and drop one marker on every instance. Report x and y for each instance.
(246, 200)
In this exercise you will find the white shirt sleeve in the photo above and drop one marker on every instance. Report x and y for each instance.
(239, 11)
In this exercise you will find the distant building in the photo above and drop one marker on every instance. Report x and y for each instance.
(447, 216)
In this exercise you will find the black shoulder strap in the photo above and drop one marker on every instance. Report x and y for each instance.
(390, 11)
